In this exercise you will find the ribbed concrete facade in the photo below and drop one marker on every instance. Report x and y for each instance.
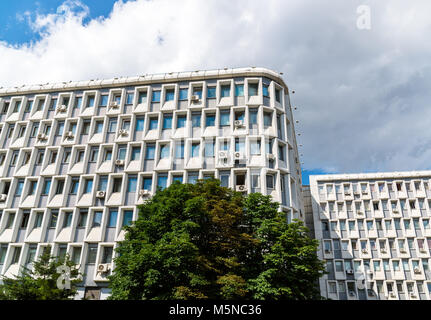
(77, 157)
(374, 234)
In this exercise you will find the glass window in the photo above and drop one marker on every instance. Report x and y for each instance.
(270, 181)
(131, 184)
(210, 120)
(278, 95)
(103, 100)
(151, 149)
(156, 96)
(46, 186)
(38, 220)
(209, 149)
(184, 94)
(162, 182)
(224, 118)
(19, 187)
(253, 116)
(153, 123)
(170, 94)
(136, 152)
(97, 218)
(267, 119)
(179, 151)
(147, 182)
(164, 151)
(139, 124)
(142, 98)
(127, 217)
(181, 121)
(76, 254)
(73, 186)
(107, 255)
(167, 122)
(195, 150)
(239, 90)
(112, 124)
(265, 90)
(67, 219)
(252, 89)
(177, 178)
(112, 223)
(225, 91)
(122, 153)
(196, 120)
(92, 253)
(211, 92)
(129, 99)
(82, 219)
(88, 185)
(255, 147)
(103, 182)
(193, 178)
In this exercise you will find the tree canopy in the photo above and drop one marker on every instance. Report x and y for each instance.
(40, 282)
(194, 241)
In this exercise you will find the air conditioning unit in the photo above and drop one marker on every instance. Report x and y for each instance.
(270, 156)
(392, 294)
(144, 193)
(194, 97)
(241, 188)
(122, 132)
(394, 211)
(383, 250)
(352, 293)
(100, 194)
(327, 251)
(364, 192)
(69, 135)
(417, 270)
(3, 197)
(412, 295)
(238, 123)
(423, 250)
(238, 155)
(114, 105)
(42, 136)
(360, 213)
(222, 154)
(119, 162)
(402, 250)
(62, 108)
(349, 271)
(364, 251)
(347, 193)
(103, 267)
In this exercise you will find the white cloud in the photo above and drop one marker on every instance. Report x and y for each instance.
(362, 95)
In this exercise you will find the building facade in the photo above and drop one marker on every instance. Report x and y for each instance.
(374, 234)
(77, 157)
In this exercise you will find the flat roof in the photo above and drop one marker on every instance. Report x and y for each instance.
(144, 80)
(369, 176)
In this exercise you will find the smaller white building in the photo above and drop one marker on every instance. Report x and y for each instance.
(374, 233)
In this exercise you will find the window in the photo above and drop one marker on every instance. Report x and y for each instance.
(90, 101)
(38, 220)
(126, 125)
(209, 149)
(253, 116)
(255, 147)
(136, 152)
(139, 124)
(184, 94)
(181, 121)
(32, 188)
(270, 181)
(67, 219)
(121, 155)
(92, 253)
(73, 186)
(162, 182)
(129, 99)
(16, 254)
(98, 127)
(156, 96)
(167, 121)
(224, 118)
(253, 89)
(80, 156)
(97, 218)
(153, 123)
(239, 90)
(112, 125)
(197, 91)
(193, 177)
(88, 185)
(94, 152)
(76, 254)
(103, 100)
(28, 106)
(131, 184)
(151, 150)
(19, 187)
(265, 90)
(210, 120)
(196, 120)
(281, 153)
(142, 97)
(225, 91)
(164, 151)
(267, 119)
(116, 187)
(127, 217)
(108, 155)
(60, 186)
(53, 219)
(147, 182)
(170, 94)
(107, 254)
(339, 267)
(177, 178)
(195, 150)
(24, 221)
(113, 214)
(82, 219)
(46, 186)
(278, 95)
(211, 92)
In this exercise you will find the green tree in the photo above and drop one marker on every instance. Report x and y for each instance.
(194, 241)
(40, 282)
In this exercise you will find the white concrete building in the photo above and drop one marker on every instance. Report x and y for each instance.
(374, 233)
(77, 157)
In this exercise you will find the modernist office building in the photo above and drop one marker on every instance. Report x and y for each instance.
(77, 157)
(375, 235)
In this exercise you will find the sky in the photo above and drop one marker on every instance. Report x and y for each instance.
(361, 95)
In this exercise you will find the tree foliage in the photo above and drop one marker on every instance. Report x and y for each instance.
(194, 241)
(40, 282)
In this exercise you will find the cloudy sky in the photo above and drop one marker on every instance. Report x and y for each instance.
(363, 95)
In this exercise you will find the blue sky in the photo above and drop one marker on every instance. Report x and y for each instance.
(16, 31)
